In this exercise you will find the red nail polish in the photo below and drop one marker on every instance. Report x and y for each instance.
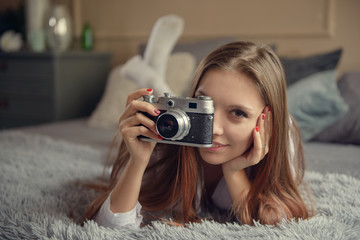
(257, 128)
(263, 116)
(160, 137)
(157, 111)
(149, 89)
(269, 109)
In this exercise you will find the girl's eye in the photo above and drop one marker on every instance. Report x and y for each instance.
(237, 113)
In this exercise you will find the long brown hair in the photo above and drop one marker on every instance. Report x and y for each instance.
(174, 170)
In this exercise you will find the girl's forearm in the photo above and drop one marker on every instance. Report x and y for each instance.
(238, 185)
(125, 194)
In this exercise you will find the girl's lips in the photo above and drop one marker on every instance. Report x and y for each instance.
(216, 147)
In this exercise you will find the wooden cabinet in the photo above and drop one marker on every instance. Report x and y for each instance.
(43, 87)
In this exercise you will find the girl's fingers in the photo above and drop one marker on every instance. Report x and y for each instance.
(258, 150)
(269, 124)
(138, 119)
(262, 134)
(267, 129)
(138, 94)
(139, 106)
(132, 133)
(134, 105)
(133, 99)
(138, 125)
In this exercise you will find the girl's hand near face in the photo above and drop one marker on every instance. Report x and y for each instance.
(261, 135)
(235, 176)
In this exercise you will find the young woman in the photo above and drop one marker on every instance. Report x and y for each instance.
(252, 171)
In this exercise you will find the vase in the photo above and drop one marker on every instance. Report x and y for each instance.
(59, 29)
(36, 12)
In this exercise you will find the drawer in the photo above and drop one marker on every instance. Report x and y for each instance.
(25, 67)
(28, 107)
(30, 85)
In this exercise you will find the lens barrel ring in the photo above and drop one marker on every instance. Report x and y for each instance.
(173, 124)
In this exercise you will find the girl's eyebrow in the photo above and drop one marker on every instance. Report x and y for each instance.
(201, 93)
(242, 107)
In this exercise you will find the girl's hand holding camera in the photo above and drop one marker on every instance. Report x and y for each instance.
(132, 124)
(125, 194)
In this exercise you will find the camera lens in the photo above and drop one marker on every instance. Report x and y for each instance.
(167, 126)
(173, 125)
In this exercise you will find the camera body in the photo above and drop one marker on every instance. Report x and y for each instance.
(183, 121)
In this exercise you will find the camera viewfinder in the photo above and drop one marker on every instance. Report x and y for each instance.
(193, 105)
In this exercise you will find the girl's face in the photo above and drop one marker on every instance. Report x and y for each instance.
(238, 105)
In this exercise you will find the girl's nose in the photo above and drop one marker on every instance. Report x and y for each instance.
(218, 128)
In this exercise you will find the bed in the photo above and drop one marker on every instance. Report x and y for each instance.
(42, 165)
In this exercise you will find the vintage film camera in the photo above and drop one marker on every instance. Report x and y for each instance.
(183, 121)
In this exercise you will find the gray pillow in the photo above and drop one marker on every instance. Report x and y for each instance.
(315, 103)
(298, 68)
(347, 129)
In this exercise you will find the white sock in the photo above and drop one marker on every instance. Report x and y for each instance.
(145, 76)
(150, 71)
(163, 38)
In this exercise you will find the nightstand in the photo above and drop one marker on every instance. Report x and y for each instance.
(44, 87)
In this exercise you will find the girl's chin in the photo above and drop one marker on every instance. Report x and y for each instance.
(212, 159)
(217, 158)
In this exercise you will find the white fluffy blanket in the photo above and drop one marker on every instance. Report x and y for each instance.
(37, 176)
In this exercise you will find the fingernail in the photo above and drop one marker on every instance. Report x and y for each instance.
(157, 111)
(160, 137)
(149, 89)
(263, 116)
(257, 128)
(269, 109)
